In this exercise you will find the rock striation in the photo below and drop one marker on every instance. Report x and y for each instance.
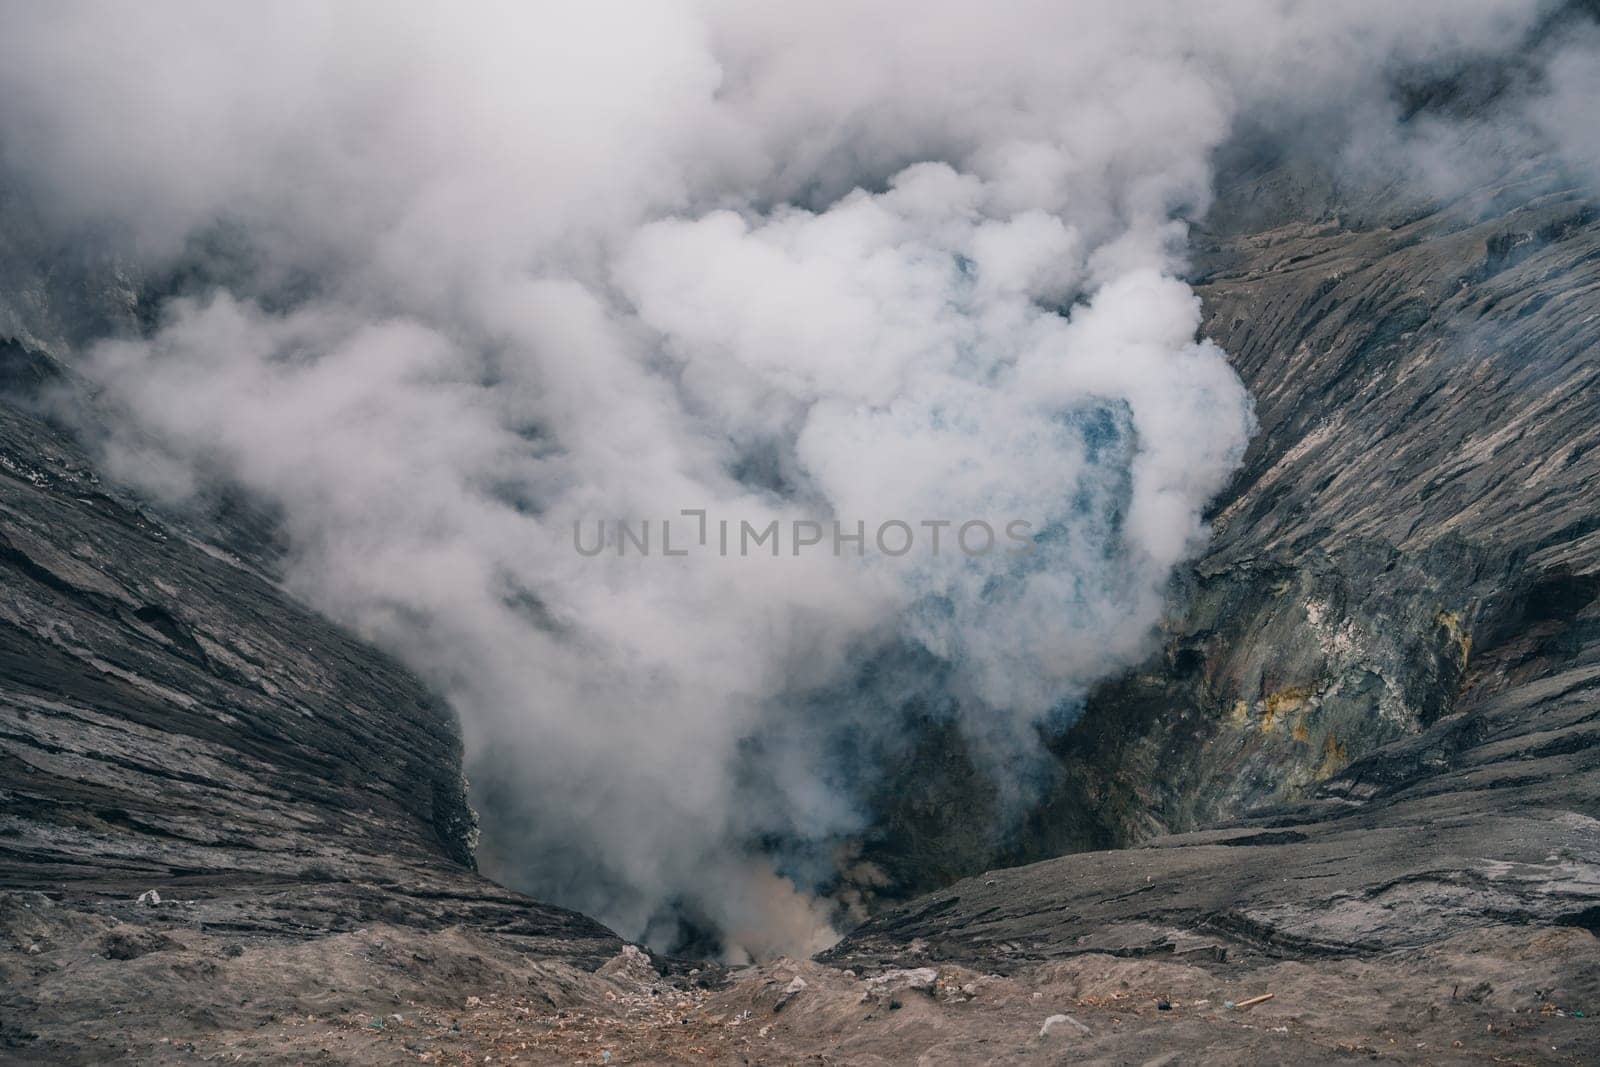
(182, 746)
(1374, 722)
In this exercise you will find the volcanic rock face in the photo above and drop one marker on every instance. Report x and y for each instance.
(169, 711)
(183, 747)
(1387, 676)
(1410, 546)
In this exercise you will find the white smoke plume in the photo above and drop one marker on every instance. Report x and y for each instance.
(475, 273)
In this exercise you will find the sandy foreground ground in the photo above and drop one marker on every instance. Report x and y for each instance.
(79, 989)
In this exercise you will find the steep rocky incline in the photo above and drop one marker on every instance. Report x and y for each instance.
(1386, 681)
(171, 721)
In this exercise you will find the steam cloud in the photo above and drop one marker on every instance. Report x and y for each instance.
(470, 276)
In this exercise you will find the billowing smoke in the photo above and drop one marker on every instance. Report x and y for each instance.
(450, 282)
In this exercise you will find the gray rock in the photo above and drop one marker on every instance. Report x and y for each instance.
(1062, 1024)
(904, 980)
(1373, 721)
(169, 717)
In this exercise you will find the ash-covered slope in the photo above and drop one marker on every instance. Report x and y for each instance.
(171, 714)
(1387, 678)
(171, 721)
